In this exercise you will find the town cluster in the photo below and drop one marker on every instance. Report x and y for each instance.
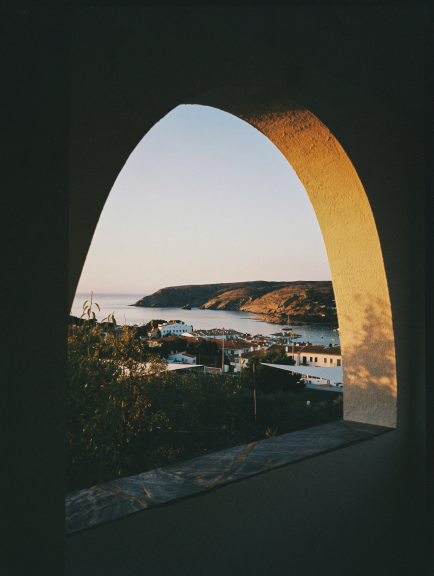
(239, 347)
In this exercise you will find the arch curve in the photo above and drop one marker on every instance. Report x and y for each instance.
(351, 239)
(344, 215)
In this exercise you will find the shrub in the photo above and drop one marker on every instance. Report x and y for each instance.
(128, 414)
(269, 380)
(124, 410)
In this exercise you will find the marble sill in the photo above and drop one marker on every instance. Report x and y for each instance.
(113, 500)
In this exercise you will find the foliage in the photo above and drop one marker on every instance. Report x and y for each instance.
(106, 405)
(207, 352)
(318, 396)
(269, 380)
(203, 347)
(272, 409)
(145, 328)
(170, 346)
(127, 414)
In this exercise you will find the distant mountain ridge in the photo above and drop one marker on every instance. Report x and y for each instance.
(302, 301)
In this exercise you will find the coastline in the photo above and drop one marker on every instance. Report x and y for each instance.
(206, 319)
(259, 317)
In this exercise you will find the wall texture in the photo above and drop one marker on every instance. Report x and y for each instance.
(326, 86)
(34, 174)
(339, 92)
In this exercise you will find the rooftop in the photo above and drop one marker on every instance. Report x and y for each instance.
(334, 350)
(254, 353)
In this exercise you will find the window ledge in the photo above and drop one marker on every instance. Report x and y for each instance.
(118, 498)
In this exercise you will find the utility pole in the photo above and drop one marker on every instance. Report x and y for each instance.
(223, 351)
(254, 386)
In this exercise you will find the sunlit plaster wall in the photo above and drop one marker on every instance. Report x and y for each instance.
(351, 239)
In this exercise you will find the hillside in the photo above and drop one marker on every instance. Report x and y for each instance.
(303, 302)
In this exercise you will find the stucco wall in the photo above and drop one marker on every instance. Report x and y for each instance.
(346, 130)
(335, 514)
(345, 139)
(356, 73)
(349, 231)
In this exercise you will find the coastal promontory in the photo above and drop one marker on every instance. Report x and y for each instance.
(301, 302)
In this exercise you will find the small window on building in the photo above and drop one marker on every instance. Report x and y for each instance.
(325, 360)
(310, 359)
(338, 362)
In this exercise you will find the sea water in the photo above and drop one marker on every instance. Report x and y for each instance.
(120, 305)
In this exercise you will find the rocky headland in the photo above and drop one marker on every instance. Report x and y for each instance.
(302, 302)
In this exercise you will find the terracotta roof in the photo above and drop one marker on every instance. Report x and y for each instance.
(280, 347)
(189, 355)
(254, 353)
(233, 344)
(330, 350)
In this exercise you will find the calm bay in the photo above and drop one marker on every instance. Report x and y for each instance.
(120, 304)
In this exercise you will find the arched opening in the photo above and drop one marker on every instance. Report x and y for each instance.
(351, 239)
(243, 217)
(109, 79)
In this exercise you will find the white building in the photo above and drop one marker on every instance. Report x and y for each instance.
(174, 329)
(233, 348)
(319, 356)
(239, 362)
(182, 358)
(316, 377)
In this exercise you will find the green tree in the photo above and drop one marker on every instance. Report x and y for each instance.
(107, 403)
(203, 347)
(170, 346)
(145, 328)
(270, 380)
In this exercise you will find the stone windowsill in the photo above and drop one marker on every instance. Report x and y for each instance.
(118, 498)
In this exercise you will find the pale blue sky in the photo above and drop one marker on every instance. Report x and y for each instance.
(204, 198)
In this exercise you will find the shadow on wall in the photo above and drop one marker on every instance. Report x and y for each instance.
(369, 364)
(350, 235)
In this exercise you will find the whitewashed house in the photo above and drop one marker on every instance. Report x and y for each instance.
(319, 356)
(181, 357)
(174, 329)
(239, 362)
